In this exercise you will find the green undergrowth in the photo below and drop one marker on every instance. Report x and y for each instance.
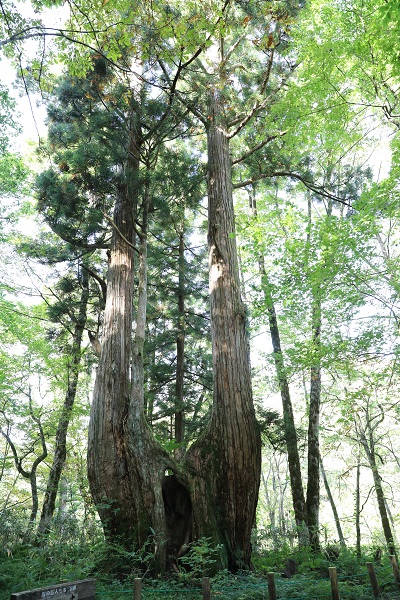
(114, 568)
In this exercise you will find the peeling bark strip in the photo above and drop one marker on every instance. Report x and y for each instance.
(227, 458)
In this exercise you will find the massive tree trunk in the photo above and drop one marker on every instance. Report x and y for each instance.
(110, 477)
(126, 466)
(60, 450)
(108, 468)
(141, 493)
(226, 460)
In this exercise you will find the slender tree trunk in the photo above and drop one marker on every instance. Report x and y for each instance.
(369, 448)
(271, 502)
(180, 344)
(227, 458)
(31, 475)
(313, 480)
(358, 505)
(296, 482)
(339, 530)
(60, 450)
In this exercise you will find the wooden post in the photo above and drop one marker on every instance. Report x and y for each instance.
(396, 571)
(271, 586)
(137, 589)
(334, 583)
(373, 579)
(206, 588)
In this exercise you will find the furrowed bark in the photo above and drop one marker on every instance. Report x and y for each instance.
(107, 460)
(226, 460)
(108, 463)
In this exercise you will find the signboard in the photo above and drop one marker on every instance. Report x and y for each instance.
(75, 590)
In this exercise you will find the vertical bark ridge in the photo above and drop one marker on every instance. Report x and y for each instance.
(229, 452)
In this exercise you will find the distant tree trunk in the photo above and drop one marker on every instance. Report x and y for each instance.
(296, 481)
(313, 479)
(368, 443)
(271, 503)
(339, 530)
(358, 504)
(180, 344)
(31, 475)
(227, 457)
(60, 450)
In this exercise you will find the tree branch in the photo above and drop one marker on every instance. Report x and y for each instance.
(259, 146)
(320, 190)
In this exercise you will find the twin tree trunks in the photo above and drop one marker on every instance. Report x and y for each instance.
(144, 497)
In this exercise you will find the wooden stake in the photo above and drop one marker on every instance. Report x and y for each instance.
(373, 579)
(271, 586)
(334, 583)
(206, 588)
(137, 589)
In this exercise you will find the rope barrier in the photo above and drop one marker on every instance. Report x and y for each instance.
(323, 588)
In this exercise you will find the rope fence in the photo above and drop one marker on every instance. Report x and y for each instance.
(272, 589)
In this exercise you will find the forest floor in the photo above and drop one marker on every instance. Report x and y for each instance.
(29, 567)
